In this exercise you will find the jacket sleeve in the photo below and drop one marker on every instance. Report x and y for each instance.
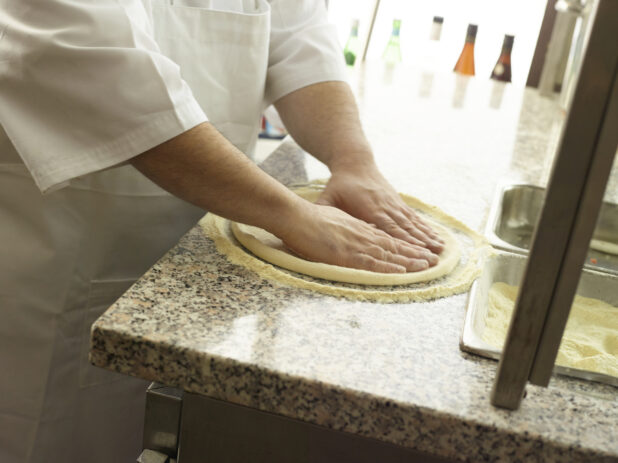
(303, 48)
(84, 87)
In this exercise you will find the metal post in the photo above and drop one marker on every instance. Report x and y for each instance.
(557, 54)
(540, 51)
(376, 5)
(565, 227)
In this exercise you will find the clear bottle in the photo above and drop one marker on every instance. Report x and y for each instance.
(465, 63)
(392, 52)
(436, 29)
(432, 57)
(502, 69)
(352, 46)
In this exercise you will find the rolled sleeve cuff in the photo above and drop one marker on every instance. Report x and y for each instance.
(302, 78)
(303, 56)
(158, 129)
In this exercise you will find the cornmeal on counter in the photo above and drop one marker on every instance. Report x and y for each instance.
(589, 342)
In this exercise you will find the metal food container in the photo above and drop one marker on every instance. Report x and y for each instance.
(515, 212)
(509, 268)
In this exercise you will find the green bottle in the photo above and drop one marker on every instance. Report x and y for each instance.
(352, 46)
(392, 52)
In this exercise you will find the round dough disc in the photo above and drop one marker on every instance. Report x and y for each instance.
(271, 249)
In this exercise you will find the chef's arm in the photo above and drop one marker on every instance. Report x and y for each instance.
(203, 168)
(323, 119)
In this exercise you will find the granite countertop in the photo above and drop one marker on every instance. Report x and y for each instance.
(393, 372)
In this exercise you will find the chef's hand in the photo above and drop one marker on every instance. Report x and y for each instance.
(323, 119)
(363, 192)
(323, 233)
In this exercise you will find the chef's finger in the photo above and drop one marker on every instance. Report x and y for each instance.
(412, 264)
(404, 248)
(424, 226)
(386, 223)
(417, 252)
(411, 229)
(325, 200)
(367, 262)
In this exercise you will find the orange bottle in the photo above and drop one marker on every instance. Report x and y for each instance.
(465, 63)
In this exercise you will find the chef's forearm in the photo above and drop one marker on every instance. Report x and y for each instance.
(323, 119)
(203, 168)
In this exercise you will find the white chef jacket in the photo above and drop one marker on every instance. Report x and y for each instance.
(85, 85)
(76, 98)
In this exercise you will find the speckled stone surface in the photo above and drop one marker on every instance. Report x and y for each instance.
(393, 372)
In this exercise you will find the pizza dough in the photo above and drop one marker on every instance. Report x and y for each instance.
(270, 248)
(590, 339)
(468, 256)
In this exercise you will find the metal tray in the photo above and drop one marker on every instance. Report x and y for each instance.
(509, 268)
(515, 212)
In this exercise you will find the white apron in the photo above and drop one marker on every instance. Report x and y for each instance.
(65, 257)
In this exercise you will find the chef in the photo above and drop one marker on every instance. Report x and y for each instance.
(122, 121)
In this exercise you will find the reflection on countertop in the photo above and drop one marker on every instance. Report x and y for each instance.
(393, 372)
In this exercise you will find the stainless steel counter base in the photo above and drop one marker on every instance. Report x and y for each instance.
(161, 424)
(180, 427)
(217, 431)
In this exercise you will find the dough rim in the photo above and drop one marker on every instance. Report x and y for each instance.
(253, 239)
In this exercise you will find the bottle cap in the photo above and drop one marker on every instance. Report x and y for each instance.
(436, 28)
(396, 26)
(508, 41)
(471, 33)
